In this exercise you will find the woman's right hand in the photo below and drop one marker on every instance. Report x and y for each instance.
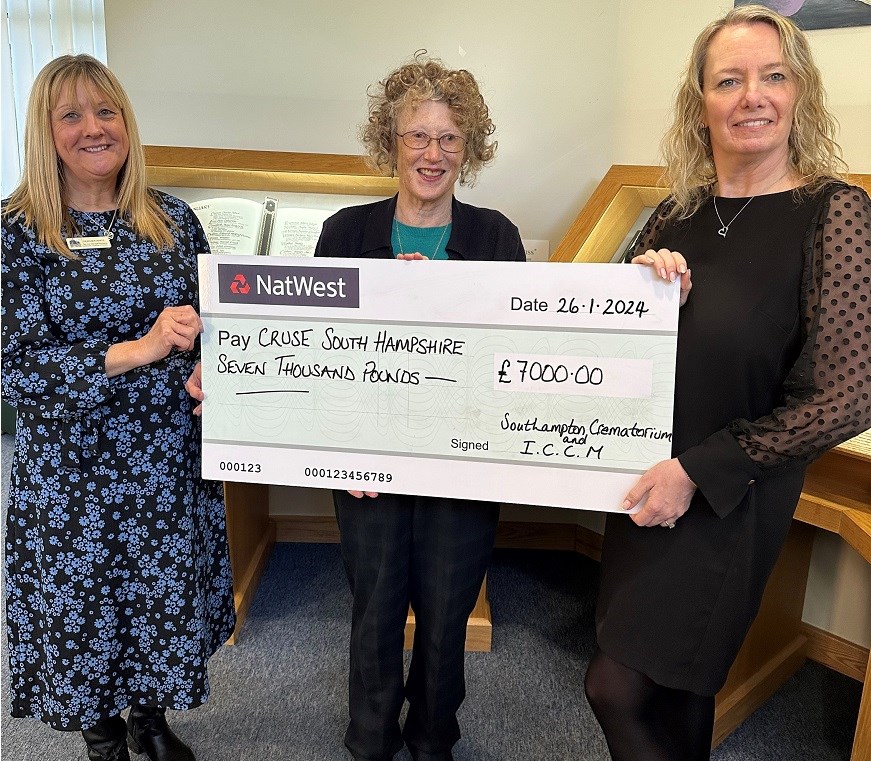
(669, 265)
(666, 490)
(361, 494)
(174, 328)
(416, 256)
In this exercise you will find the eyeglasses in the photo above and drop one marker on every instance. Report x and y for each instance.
(420, 140)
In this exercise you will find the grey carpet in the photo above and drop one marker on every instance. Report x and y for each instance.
(280, 693)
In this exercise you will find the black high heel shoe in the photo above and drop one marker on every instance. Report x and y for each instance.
(148, 732)
(107, 740)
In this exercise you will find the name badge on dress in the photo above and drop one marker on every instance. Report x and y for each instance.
(89, 241)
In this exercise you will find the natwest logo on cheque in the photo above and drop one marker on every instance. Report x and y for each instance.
(240, 284)
(289, 284)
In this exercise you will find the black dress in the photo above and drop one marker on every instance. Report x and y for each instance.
(772, 370)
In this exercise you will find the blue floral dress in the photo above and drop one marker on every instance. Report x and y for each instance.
(118, 582)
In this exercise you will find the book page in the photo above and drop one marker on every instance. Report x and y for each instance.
(232, 225)
(296, 231)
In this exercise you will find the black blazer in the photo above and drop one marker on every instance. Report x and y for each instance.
(476, 234)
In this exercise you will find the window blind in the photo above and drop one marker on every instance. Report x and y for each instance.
(34, 32)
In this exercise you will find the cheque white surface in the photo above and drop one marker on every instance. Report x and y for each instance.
(533, 383)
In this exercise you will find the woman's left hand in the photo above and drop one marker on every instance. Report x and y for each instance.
(194, 387)
(668, 489)
(411, 257)
(669, 265)
(175, 329)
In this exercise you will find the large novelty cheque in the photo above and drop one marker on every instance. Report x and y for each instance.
(532, 383)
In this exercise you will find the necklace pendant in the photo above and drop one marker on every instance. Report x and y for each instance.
(725, 228)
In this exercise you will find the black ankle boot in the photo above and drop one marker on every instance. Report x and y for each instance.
(420, 755)
(107, 740)
(149, 733)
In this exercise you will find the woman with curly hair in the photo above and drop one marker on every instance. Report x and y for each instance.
(429, 126)
(773, 253)
(118, 582)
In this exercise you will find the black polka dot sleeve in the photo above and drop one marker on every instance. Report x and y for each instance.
(826, 397)
(827, 394)
(651, 231)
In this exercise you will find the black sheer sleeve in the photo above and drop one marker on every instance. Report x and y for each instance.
(827, 395)
(651, 231)
(826, 398)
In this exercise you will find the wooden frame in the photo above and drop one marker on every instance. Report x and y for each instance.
(836, 495)
(605, 220)
(250, 531)
(270, 171)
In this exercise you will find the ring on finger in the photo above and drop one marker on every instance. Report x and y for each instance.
(667, 524)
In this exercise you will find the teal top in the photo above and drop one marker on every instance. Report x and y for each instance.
(429, 241)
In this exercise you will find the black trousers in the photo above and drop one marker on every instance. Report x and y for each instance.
(432, 553)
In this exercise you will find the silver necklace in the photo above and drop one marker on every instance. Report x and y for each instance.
(103, 240)
(435, 250)
(724, 228)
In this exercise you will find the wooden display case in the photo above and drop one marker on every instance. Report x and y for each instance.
(607, 219)
(267, 171)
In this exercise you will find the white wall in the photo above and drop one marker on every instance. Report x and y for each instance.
(655, 39)
(573, 86)
(292, 76)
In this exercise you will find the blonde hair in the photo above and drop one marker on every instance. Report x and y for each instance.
(814, 155)
(410, 85)
(39, 197)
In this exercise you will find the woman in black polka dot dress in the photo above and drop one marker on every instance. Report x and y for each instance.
(773, 252)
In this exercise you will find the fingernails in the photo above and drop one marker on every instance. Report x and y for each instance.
(662, 273)
(672, 276)
(683, 269)
(626, 504)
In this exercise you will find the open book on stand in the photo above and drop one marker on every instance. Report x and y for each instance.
(243, 226)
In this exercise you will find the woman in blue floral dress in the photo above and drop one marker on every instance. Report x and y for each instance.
(118, 582)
